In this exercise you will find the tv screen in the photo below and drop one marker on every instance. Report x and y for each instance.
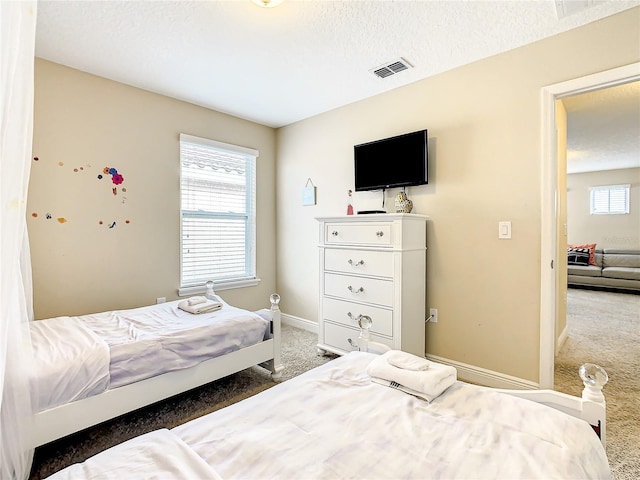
(400, 161)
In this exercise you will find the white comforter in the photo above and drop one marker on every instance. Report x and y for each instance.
(148, 341)
(76, 357)
(333, 422)
(71, 362)
(157, 454)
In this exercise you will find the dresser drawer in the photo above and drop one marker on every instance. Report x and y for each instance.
(347, 313)
(338, 336)
(364, 262)
(358, 234)
(359, 289)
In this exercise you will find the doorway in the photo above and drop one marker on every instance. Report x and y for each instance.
(553, 197)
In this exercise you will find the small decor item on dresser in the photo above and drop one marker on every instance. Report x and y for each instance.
(349, 204)
(403, 204)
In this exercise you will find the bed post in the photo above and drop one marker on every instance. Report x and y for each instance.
(364, 340)
(275, 365)
(594, 406)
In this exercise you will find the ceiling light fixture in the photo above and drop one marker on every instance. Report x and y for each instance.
(267, 3)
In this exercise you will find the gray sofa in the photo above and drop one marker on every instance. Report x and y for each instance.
(616, 268)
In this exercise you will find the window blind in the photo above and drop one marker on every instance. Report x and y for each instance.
(217, 189)
(609, 199)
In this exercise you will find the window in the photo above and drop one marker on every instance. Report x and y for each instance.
(609, 200)
(217, 228)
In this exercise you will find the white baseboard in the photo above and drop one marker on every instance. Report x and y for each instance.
(298, 322)
(468, 373)
(482, 376)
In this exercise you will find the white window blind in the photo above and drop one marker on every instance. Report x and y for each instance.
(609, 200)
(217, 189)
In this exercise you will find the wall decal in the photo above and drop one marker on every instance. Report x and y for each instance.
(117, 180)
(113, 224)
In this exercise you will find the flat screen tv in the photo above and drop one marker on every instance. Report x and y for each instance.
(400, 161)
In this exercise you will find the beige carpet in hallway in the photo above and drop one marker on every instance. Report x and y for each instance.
(604, 328)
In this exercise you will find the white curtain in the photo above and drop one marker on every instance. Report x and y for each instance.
(17, 50)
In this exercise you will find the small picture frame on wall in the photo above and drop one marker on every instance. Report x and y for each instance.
(309, 193)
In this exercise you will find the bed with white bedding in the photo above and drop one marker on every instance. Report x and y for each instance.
(94, 367)
(335, 422)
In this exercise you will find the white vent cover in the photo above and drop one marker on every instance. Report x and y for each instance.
(564, 8)
(391, 68)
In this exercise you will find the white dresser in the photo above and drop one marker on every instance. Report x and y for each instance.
(373, 265)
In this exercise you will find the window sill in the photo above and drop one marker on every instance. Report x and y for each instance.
(197, 289)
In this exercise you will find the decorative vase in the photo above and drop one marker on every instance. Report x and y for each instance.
(349, 205)
(403, 204)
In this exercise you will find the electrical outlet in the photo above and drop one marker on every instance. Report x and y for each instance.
(433, 314)
(161, 299)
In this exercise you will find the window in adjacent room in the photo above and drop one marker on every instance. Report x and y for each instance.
(609, 200)
(217, 189)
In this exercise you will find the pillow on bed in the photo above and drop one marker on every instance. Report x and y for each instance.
(578, 256)
(592, 251)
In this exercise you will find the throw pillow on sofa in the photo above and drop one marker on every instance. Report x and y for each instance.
(592, 251)
(578, 256)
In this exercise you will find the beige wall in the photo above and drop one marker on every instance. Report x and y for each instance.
(606, 231)
(82, 124)
(484, 123)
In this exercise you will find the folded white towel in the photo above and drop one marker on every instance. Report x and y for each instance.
(406, 361)
(197, 300)
(402, 388)
(429, 383)
(206, 307)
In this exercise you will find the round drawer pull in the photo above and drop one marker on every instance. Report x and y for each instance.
(380, 234)
(355, 264)
(352, 290)
(334, 233)
(358, 318)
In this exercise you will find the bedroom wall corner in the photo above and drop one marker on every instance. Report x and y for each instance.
(484, 122)
(106, 239)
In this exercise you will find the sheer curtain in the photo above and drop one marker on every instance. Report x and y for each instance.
(17, 49)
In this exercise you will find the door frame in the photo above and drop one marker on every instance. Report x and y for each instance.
(550, 196)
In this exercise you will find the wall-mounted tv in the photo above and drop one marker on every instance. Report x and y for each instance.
(400, 161)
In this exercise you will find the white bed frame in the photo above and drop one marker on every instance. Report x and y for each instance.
(57, 422)
(591, 407)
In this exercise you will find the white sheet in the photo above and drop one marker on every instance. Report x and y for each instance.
(333, 422)
(155, 339)
(159, 455)
(71, 362)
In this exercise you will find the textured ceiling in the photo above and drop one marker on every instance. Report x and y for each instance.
(603, 129)
(279, 65)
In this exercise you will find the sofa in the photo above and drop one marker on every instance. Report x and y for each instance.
(615, 268)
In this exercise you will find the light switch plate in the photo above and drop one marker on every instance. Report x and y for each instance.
(504, 230)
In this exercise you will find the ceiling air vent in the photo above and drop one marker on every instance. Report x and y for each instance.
(391, 68)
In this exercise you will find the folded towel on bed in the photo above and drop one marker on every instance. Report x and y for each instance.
(406, 361)
(205, 307)
(196, 300)
(427, 384)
